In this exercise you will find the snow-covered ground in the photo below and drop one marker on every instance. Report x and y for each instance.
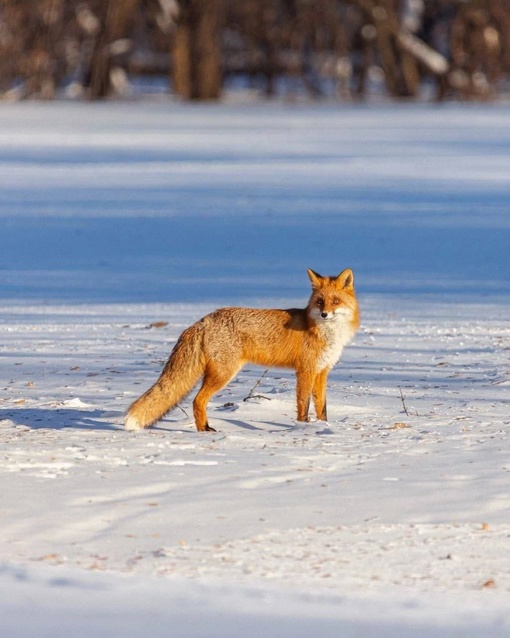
(122, 224)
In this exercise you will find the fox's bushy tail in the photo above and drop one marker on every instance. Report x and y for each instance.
(183, 369)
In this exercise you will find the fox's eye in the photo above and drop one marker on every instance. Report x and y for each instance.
(336, 301)
(320, 302)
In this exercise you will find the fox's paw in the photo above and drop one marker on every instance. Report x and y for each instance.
(132, 423)
(206, 428)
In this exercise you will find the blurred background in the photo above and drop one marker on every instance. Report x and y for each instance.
(198, 49)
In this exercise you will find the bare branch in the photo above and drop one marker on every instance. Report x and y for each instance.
(251, 394)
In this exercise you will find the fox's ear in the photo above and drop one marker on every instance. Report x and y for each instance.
(315, 278)
(345, 280)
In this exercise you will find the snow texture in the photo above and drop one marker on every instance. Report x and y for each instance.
(124, 223)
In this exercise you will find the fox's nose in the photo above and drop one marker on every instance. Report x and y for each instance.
(324, 315)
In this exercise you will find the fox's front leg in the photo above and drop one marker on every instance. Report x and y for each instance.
(319, 395)
(304, 387)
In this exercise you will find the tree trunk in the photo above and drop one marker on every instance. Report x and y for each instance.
(115, 17)
(196, 51)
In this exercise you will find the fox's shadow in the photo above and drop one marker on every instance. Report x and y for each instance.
(61, 418)
(66, 418)
(274, 427)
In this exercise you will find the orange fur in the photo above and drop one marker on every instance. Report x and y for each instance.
(309, 340)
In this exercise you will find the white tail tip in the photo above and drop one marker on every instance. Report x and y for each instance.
(132, 423)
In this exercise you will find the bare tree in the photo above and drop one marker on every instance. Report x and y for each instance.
(323, 47)
(33, 46)
(111, 40)
(196, 50)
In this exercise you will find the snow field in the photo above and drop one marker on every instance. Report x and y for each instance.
(122, 225)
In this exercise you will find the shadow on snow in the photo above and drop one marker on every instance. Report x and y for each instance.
(60, 418)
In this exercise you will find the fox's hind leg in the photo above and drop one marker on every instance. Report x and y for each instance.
(214, 380)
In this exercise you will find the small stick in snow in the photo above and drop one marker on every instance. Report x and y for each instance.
(182, 410)
(402, 398)
(251, 394)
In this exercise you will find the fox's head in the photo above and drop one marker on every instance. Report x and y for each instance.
(333, 298)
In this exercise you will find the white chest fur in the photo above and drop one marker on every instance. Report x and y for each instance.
(336, 335)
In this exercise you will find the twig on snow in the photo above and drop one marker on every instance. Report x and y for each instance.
(251, 394)
(402, 398)
(182, 410)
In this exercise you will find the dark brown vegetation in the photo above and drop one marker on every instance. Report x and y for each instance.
(344, 48)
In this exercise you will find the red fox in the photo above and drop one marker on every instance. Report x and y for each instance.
(309, 340)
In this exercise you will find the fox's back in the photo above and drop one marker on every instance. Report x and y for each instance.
(271, 337)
